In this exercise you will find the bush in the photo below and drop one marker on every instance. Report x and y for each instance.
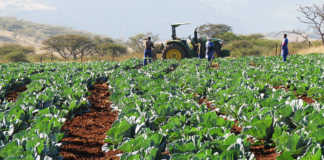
(252, 45)
(17, 57)
(13, 48)
(244, 48)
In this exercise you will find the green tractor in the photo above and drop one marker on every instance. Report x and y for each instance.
(188, 48)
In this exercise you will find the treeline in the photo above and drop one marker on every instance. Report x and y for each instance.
(68, 47)
(248, 45)
(80, 46)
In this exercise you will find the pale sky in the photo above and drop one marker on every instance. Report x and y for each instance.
(124, 18)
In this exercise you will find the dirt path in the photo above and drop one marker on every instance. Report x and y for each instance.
(85, 134)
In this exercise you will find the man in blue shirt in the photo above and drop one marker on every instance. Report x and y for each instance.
(210, 49)
(284, 48)
(148, 45)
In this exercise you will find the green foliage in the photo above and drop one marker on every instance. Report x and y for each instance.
(116, 49)
(259, 127)
(81, 46)
(159, 110)
(228, 37)
(7, 49)
(214, 30)
(70, 45)
(17, 57)
(243, 48)
(136, 41)
(120, 130)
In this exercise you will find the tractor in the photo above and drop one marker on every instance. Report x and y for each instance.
(177, 48)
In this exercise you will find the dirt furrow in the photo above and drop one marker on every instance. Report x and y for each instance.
(85, 134)
(15, 90)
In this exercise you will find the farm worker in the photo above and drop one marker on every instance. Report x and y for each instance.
(148, 45)
(210, 49)
(284, 48)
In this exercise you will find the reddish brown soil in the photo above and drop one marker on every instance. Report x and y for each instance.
(303, 97)
(166, 153)
(271, 156)
(208, 103)
(281, 87)
(236, 129)
(13, 95)
(261, 152)
(215, 66)
(307, 99)
(85, 134)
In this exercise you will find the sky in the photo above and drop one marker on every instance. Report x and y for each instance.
(121, 19)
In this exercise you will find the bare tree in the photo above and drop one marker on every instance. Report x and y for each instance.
(313, 16)
(302, 34)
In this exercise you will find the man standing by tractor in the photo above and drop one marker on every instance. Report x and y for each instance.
(148, 45)
(284, 48)
(210, 49)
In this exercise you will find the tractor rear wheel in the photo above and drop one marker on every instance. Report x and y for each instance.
(174, 51)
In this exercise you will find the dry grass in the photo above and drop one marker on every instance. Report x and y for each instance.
(311, 50)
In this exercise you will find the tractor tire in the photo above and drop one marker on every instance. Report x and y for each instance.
(174, 51)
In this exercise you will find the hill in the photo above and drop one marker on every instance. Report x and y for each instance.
(13, 30)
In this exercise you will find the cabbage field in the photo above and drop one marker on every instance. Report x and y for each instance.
(244, 108)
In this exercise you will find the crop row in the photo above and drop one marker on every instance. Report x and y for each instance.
(233, 109)
(163, 117)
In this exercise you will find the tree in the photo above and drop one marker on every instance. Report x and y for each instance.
(136, 42)
(116, 49)
(15, 48)
(228, 37)
(299, 33)
(55, 44)
(213, 30)
(70, 45)
(98, 39)
(313, 16)
(17, 57)
(102, 49)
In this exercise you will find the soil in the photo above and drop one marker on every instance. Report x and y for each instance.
(42, 70)
(271, 156)
(236, 129)
(210, 106)
(281, 87)
(303, 97)
(171, 68)
(307, 99)
(12, 95)
(252, 64)
(139, 66)
(262, 152)
(215, 66)
(85, 134)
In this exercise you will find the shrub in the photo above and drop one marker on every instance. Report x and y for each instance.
(17, 57)
(11, 48)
